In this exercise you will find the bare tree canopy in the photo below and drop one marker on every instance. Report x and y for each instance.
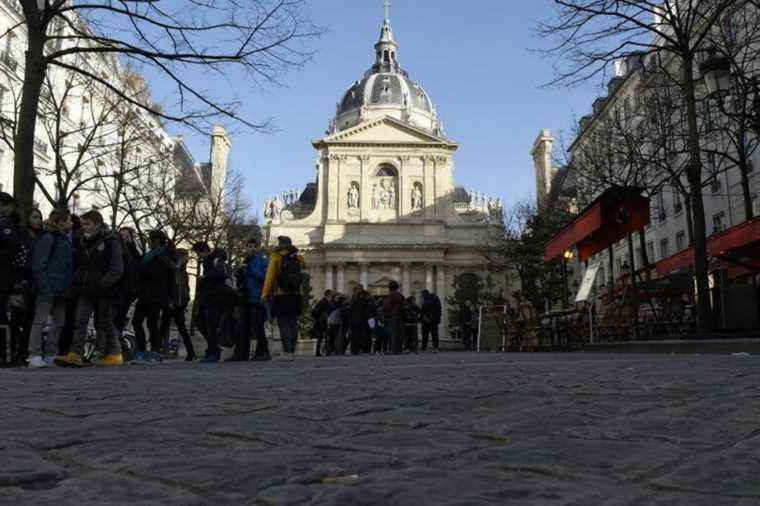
(194, 44)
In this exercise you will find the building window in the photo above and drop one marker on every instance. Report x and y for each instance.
(681, 240)
(661, 214)
(719, 222)
(650, 250)
(677, 202)
(715, 184)
(664, 249)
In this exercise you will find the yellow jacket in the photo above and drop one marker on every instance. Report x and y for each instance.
(273, 271)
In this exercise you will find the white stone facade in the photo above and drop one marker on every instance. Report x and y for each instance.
(384, 206)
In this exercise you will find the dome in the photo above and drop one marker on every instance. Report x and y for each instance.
(386, 90)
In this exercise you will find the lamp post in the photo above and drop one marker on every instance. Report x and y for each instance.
(716, 73)
(566, 257)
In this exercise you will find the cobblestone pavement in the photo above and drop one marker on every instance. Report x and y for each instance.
(442, 429)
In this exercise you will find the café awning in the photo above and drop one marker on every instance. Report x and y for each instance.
(614, 215)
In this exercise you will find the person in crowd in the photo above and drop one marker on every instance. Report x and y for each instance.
(130, 281)
(67, 334)
(431, 319)
(53, 268)
(393, 310)
(466, 321)
(283, 285)
(212, 297)
(156, 277)
(359, 315)
(179, 300)
(253, 313)
(411, 320)
(10, 268)
(319, 315)
(344, 329)
(335, 326)
(96, 281)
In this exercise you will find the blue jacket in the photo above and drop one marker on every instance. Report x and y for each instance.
(53, 264)
(256, 273)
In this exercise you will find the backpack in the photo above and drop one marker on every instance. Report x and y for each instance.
(334, 319)
(291, 275)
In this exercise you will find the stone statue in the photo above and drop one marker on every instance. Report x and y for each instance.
(384, 194)
(353, 196)
(417, 196)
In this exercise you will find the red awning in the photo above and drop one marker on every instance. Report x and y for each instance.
(741, 239)
(681, 261)
(615, 214)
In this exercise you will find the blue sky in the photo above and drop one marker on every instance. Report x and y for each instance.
(474, 60)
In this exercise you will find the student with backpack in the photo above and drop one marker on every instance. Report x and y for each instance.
(156, 273)
(212, 297)
(96, 282)
(393, 310)
(253, 313)
(179, 300)
(283, 286)
(53, 268)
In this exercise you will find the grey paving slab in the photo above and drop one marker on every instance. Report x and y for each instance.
(447, 429)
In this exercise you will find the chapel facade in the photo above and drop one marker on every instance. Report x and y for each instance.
(384, 205)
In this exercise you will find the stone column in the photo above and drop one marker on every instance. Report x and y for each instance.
(429, 278)
(329, 277)
(365, 199)
(406, 276)
(441, 293)
(341, 278)
(364, 280)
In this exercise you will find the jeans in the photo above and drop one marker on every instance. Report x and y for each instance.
(67, 333)
(145, 310)
(397, 338)
(429, 329)
(208, 324)
(251, 324)
(410, 336)
(52, 305)
(288, 324)
(121, 313)
(108, 341)
(359, 336)
(178, 315)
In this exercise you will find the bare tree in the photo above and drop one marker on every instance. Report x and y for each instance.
(189, 43)
(591, 34)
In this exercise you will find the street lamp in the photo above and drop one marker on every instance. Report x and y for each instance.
(566, 257)
(716, 73)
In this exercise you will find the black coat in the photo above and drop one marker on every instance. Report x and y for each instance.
(431, 310)
(212, 285)
(9, 244)
(360, 310)
(100, 265)
(156, 280)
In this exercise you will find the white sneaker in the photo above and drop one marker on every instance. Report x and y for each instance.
(37, 362)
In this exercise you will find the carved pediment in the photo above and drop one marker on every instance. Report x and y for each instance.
(385, 131)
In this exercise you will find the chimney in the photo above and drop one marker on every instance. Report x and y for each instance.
(220, 151)
(542, 165)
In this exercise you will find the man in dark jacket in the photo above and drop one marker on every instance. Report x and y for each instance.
(359, 314)
(130, 283)
(212, 296)
(431, 319)
(319, 315)
(156, 274)
(179, 300)
(96, 281)
(466, 322)
(393, 309)
(10, 239)
(411, 320)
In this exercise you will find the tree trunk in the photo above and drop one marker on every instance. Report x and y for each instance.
(23, 166)
(689, 220)
(744, 172)
(694, 173)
